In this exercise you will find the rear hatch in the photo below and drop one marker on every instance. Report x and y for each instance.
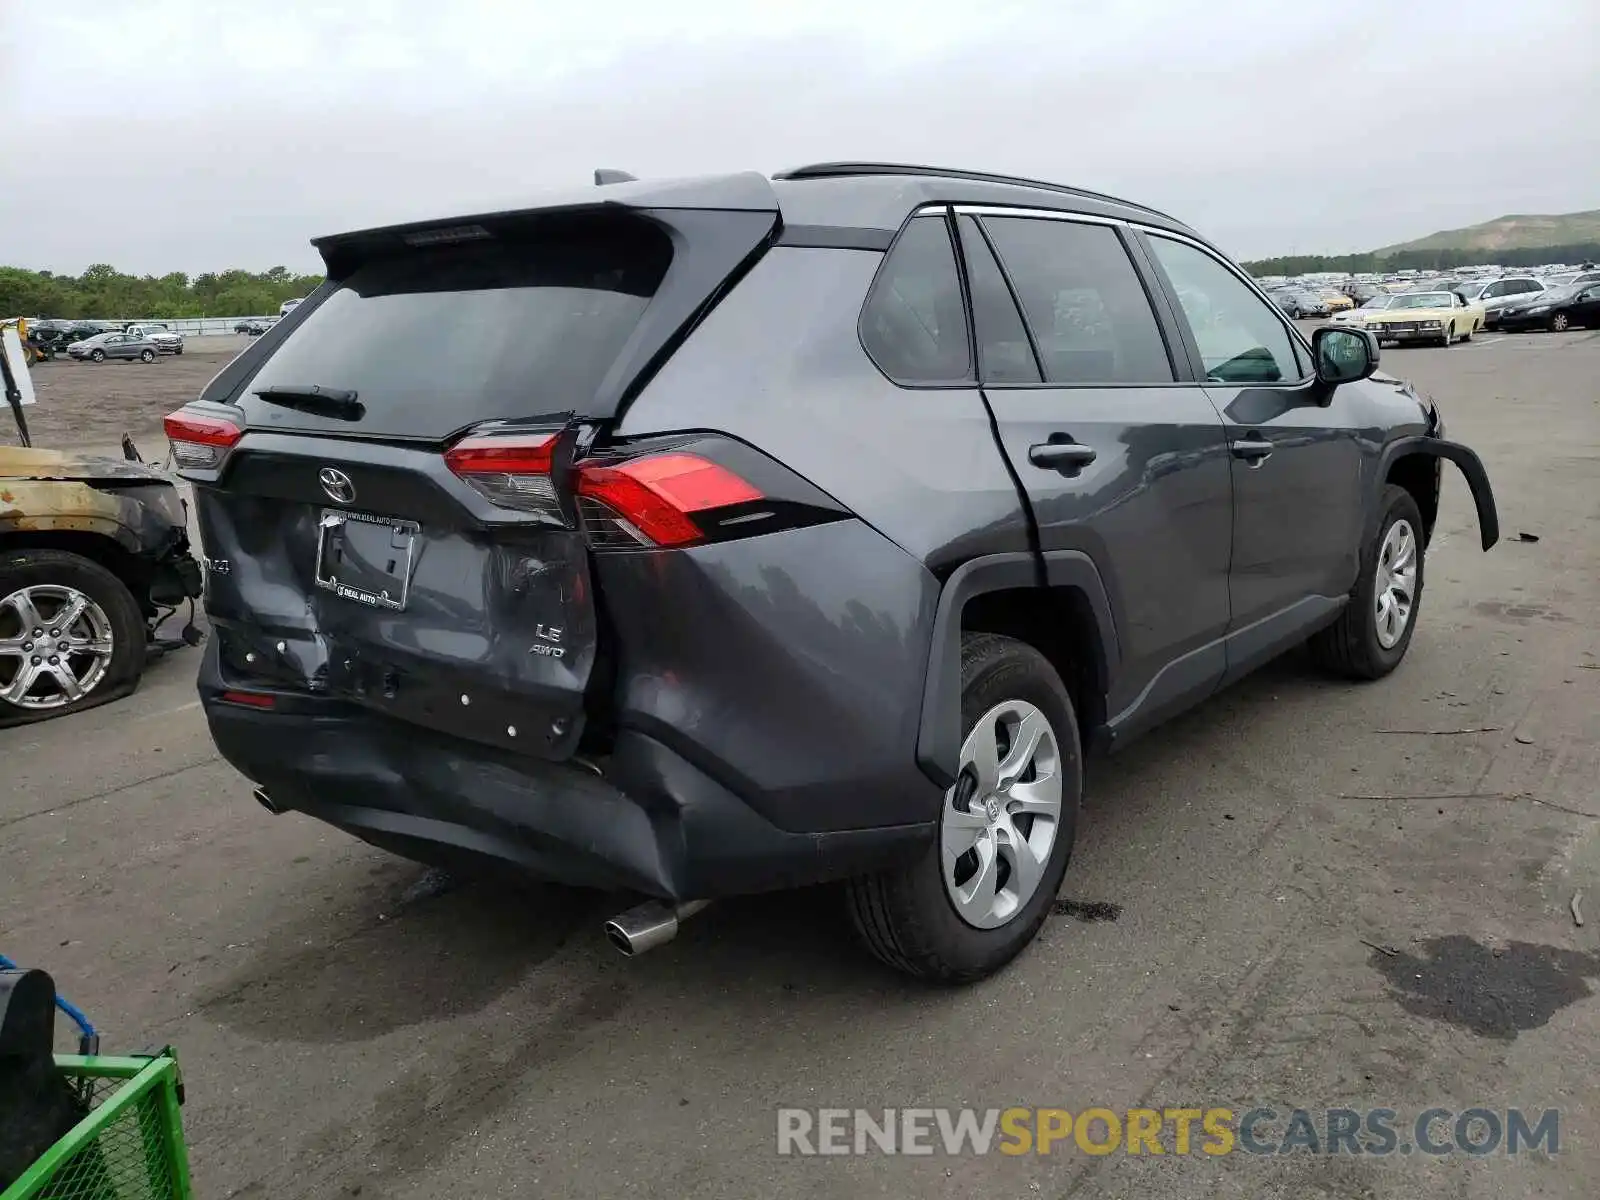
(384, 485)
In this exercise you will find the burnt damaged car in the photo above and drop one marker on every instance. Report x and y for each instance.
(744, 532)
(93, 553)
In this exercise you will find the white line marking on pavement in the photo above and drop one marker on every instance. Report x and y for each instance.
(168, 712)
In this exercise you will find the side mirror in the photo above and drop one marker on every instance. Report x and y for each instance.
(1343, 354)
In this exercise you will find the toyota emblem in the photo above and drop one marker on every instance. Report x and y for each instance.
(337, 484)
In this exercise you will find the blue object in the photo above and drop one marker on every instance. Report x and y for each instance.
(89, 1042)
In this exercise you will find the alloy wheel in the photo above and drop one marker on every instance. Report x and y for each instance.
(1001, 818)
(56, 645)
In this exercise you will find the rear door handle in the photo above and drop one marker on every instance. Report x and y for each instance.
(1253, 450)
(1068, 457)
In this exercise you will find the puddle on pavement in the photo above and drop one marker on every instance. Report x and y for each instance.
(435, 951)
(1496, 993)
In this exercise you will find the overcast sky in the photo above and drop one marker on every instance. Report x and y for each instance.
(195, 135)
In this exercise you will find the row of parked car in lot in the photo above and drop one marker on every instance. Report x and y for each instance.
(1449, 309)
(97, 341)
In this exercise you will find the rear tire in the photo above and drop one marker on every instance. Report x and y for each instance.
(1354, 645)
(49, 577)
(908, 917)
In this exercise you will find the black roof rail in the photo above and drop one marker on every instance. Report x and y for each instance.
(839, 170)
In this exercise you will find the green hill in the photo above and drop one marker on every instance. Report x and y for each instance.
(1517, 232)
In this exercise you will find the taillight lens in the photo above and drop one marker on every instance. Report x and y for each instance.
(199, 442)
(511, 471)
(651, 498)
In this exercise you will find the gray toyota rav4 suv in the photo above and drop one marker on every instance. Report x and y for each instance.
(712, 536)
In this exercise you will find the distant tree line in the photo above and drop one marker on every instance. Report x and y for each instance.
(104, 293)
(1423, 260)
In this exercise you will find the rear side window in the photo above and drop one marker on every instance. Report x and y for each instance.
(1004, 353)
(1090, 316)
(439, 338)
(914, 325)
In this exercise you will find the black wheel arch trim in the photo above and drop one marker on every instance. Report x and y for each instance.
(1470, 466)
(939, 730)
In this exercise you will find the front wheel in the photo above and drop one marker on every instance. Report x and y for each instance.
(1374, 631)
(147, 356)
(1560, 323)
(97, 356)
(71, 635)
(979, 894)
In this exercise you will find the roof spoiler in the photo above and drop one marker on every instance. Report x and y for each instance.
(748, 191)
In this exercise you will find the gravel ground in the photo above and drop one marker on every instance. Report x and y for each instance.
(91, 405)
(1316, 908)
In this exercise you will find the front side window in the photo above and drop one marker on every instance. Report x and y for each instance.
(914, 325)
(1240, 337)
(1090, 316)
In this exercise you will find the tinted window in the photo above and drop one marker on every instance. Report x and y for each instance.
(1499, 289)
(1090, 316)
(1004, 353)
(914, 325)
(1526, 285)
(435, 339)
(1240, 337)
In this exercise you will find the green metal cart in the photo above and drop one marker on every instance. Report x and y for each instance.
(129, 1145)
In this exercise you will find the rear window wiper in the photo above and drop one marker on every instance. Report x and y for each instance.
(340, 403)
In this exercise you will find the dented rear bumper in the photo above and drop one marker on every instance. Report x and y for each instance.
(643, 820)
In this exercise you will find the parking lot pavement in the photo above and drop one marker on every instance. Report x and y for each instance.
(1329, 895)
(89, 406)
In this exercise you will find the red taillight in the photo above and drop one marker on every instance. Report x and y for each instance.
(249, 699)
(516, 455)
(512, 471)
(656, 494)
(200, 442)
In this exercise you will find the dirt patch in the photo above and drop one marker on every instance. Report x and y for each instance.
(84, 406)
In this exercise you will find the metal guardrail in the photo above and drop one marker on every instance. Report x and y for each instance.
(197, 326)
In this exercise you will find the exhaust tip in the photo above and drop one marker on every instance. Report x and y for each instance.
(266, 801)
(649, 925)
(619, 938)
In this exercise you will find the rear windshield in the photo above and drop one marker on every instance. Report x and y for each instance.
(435, 339)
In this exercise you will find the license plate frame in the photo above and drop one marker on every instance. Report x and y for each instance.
(334, 531)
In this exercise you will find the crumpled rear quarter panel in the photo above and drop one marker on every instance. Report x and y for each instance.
(788, 667)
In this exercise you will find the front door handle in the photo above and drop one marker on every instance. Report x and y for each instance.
(1254, 450)
(1066, 455)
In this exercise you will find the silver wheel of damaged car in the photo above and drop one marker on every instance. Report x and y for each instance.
(56, 646)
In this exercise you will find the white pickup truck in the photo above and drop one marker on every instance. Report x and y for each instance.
(167, 340)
